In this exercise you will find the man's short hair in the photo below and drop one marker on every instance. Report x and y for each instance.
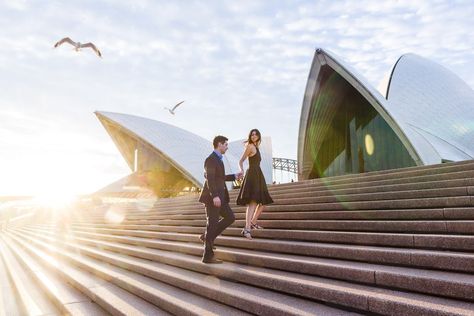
(219, 139)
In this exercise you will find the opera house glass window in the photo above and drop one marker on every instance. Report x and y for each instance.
(345, 134)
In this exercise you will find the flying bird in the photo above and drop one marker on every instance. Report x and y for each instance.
(174, 108)
(78, 46)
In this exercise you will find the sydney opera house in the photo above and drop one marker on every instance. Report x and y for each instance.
(423, 116)
(147, 145)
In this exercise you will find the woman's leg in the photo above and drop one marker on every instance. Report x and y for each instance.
(256, 215)
(250, 213)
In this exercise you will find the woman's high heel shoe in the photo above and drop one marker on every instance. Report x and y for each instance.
(256, 226)
(246, 233)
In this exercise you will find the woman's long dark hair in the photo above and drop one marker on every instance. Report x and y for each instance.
(249, 139)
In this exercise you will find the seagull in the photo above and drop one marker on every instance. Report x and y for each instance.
(78, 46)
(174, 107)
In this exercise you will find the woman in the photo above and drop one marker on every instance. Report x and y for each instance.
(253, 192)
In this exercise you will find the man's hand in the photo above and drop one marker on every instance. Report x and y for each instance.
(239, 175)
(217, 201)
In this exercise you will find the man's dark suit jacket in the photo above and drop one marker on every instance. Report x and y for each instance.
(215, 181)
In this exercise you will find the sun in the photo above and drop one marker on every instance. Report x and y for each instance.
(54, 200)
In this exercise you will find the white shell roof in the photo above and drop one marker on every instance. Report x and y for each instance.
(431, 108)
(185, 150)
(363, 86)
(435, 106)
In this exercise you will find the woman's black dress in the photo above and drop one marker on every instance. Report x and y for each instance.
(254, 187)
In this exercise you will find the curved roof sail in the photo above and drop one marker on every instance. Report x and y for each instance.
(171, 145)
(435, 106)
(427, 107)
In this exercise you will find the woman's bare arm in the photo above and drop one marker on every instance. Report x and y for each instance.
(247, 151)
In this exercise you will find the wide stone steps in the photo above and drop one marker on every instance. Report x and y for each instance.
(136, 293)
(442, 213)
(246, 298)
(402, 214)
(430, 259)
(67, 299)
(406, 240)
(9, 302)
(466, 180)
(458, 196)
(395, 242)
(453, 186)
(342, 197)
(29, 296)
(456, 285)
(111, 298)
(409, 226)
(390, 179)
(362, 297)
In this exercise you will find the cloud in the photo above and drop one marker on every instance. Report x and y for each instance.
(238, 64)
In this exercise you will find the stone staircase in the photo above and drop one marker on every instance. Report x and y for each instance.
(397, 242)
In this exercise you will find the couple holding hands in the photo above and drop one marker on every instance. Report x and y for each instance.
(253, 192)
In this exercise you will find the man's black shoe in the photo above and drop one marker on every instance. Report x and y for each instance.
(203, 240)
(211, 260)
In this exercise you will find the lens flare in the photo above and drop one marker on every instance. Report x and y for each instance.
(369, 144)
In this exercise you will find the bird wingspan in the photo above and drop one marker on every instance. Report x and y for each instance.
(94, 48)
(174, 108)
(65, 40)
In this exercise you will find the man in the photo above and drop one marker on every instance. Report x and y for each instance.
(215, 197)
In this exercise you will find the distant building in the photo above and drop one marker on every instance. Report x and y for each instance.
(424, 115)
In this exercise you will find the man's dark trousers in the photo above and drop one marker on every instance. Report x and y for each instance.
(215, 226)
(214, 187)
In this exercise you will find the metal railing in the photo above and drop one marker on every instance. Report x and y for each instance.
(285, 164)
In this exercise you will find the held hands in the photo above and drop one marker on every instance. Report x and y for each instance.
(217, 201)
(239, 175)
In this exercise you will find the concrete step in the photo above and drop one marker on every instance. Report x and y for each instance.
(466, 201)
(362, 297)
(402, 174)
(448, 284)
(463, 212)
(32, 299)
(252, 299)
(462, 187)
(403, 214)
(377, 196)
(425, 241)
(9, 302)
(447, 180)
(68, 300)
(199, 214)
(346, 189)
(405, 226)
(430, 259)
(157, 293)
(272, 213)
(110, 297)
(404, 177)
(334, 197)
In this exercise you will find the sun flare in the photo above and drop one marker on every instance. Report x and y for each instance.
(55, 199)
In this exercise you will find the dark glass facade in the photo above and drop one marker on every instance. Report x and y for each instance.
(345, 134)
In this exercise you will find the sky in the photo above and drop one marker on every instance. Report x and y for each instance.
(237, 64)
